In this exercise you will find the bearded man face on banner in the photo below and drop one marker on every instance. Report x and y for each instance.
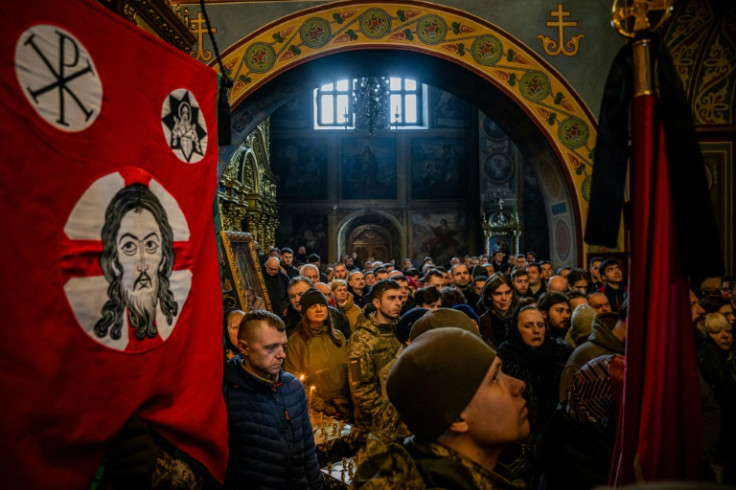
(137, 261)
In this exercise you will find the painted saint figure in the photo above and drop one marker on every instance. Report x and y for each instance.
(184, 133)
(137, 261)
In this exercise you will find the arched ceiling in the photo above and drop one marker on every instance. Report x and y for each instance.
(470, 58)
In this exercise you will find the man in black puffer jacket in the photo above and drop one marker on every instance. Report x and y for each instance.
(271, 441)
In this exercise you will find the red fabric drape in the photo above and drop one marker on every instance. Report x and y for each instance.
(660, 426)
(92, 106)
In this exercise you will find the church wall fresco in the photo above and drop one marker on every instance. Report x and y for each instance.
(301, 165)
(369, 168)
(439, 166)
(439, 235)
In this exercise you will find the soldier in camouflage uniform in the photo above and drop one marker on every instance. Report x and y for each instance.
(372, 345)
(463, 411)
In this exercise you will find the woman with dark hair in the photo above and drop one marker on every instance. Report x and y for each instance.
(531, 356)
(317, 355)
(498, 304)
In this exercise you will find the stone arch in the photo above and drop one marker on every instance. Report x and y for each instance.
(534, 89)
(349, 226)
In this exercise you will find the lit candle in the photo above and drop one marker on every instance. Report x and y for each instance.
(311, 392)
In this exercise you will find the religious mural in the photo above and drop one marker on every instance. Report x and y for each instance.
(308, 230)
(438, 168)
(301, 166)
(449, 111)
(369, 168)
(439, 235)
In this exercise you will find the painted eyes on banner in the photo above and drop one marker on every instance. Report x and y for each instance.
(58, 77)
(184, 126)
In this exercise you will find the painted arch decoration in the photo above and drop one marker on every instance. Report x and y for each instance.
(438, 31)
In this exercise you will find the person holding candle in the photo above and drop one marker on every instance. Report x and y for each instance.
(318, 351)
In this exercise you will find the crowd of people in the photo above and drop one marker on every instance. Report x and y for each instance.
(489, 372)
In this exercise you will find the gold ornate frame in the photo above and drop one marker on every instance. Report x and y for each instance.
(243, 267)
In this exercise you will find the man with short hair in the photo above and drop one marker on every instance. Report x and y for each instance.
(497, 260)
(599, 302)
(558, 284)
(545, 269)
(371, 346)
(381, 274)
(356, 287)
(594, 265)
(462, 410)
(340, 271)
(521, 261)
(556, 312)
(287, 263)
(520, 282)
(407, 302)
(435, 278)
(277, 283)
(292, 312)
(311, 272)
(461, 279)
(613, 288)
(316, 261)
(428, 297)
(460, 276)
(477, 286)
(264, 400)
(370, 278)
(536, 285)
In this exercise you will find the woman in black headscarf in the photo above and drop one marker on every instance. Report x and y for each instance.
(529, 354)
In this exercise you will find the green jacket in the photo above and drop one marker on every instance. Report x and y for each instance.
(324, 366)
(370, 348)
(415, 464)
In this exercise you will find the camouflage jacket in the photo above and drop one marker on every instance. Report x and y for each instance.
(370, 348)
(415, 464)
(387, 423)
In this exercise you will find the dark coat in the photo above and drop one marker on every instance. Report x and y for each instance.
(277, 288)
(574, 455)
(615, 296)
(271, 441)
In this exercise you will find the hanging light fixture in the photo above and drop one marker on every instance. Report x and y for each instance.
(370, 105)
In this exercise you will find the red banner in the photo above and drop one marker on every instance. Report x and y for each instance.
(660, 425)
(111, 291)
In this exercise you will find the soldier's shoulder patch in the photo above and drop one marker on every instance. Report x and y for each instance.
(354, 370)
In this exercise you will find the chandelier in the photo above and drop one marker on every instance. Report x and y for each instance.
(370, 105)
